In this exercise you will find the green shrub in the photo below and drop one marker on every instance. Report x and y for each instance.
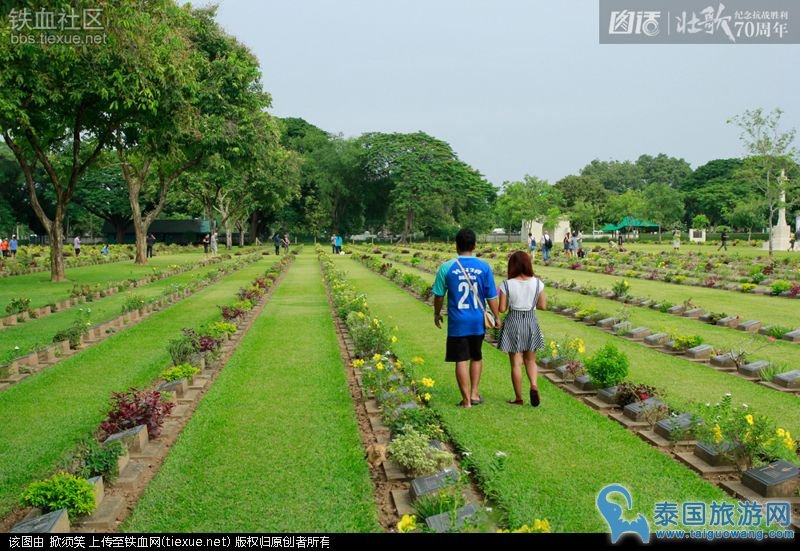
(413, 452)
(95, 459)
(608, 366)
(685, 342)
(664, 307)
(18, 305)
(747, 287)
(182, 348)
(132, 302)
(61, 491)
(780, 286)
(178, 372)
(778, 331)
(447, 500)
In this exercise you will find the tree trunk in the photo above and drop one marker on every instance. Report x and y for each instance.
(749, 234)
(228, 235)
(140, 230)
(56, 234)
(241, 233)
(771, 216)
(253, 226)
(407, 226)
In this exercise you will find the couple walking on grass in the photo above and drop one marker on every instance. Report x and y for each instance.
(469, 285)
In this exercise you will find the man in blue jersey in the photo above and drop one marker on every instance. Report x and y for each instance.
(465, 321)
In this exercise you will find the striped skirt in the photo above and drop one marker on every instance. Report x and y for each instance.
(521, 332)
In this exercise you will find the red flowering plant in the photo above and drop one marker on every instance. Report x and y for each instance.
(628, 393)
(137, 407)
(230, 313)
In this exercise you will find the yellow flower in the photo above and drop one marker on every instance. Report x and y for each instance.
(717, 434)
(358, 363)
(393, 339)
(407, 524)
(376, 321)
(427, 396)
(542, 526)
(417, 360)
(427, 382)
(360, 315)
(749, 419)
(789, 443)
(399, 365)
(379, 366)
(781, 433)
(376, 356)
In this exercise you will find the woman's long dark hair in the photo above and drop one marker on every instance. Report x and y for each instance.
(519, 263)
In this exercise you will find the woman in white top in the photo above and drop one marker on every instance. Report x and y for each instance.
(521, 336)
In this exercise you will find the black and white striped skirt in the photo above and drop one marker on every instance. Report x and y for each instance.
(521, 332)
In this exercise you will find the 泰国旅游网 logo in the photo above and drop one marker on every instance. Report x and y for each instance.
(613, 513)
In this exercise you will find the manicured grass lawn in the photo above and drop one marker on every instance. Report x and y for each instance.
(770, 310)
(559, 455)
(41, 331)
(42, 291)
(274, 445)
(686, 384)
(44, 416)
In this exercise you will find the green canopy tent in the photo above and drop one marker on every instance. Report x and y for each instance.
(631, 222)
(609, 227)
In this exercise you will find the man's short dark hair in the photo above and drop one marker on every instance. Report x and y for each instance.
(465, 240)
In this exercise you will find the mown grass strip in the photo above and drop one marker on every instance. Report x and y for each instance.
(274, 445)
(42, 291)
(44, 416)
(41, 331)
(686, 384)
(559, 455)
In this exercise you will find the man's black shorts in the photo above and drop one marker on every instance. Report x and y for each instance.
(461, 349)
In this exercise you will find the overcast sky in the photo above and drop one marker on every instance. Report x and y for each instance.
(515, 86)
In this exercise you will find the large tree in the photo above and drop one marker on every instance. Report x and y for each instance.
(103, 192)
(529, 199)
(664, 204)
(585, 189)
(663, 169)
(770, 151)
(615, 176)
(63, 102)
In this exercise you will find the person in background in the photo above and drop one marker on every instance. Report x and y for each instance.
(796, 237)
(214, 237)
(206, 243)
(532, 245)
(285, 242)
(151, 240)
(574, 244)
(4, 247)
(468, 283)
(76, 244)
(12, 246)
(581, 253)
(676, 240)
(547, 245)
(724, 240)
(104, 251)
(338, 244)
(277, 241)
(333, 243)
(566, 244)
(521, 335)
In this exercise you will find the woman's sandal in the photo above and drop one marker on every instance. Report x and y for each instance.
(519, 402)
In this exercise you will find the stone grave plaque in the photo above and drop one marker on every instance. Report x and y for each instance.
(789, 379)
(656, 340)
(702, 352)
(622, 326)
(693, 313)
(179, 387)
(779, 479)
(705, 318)
(562, 371)
(724, 360)
(765, 330)
(682, 422)
(637, 410)
(729, 321)
(677, 310)
(749, 326)
(584, 382)
(441, 523)
(56, 522)
(568, 311)
(639, 333)
(607, 322)
(714, 455)
(792, 336)
(753, 369)
(551, 363)
(135, 439)
(608, 395)
(646, 303)
(428, 484)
